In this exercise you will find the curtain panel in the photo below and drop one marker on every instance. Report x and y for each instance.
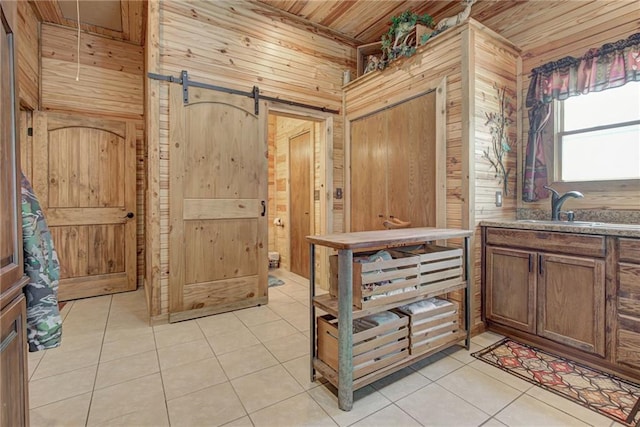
(610, 66)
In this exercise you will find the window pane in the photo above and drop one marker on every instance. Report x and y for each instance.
(617, 105)
(602, 155)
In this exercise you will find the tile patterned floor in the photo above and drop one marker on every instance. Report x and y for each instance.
(250, 368)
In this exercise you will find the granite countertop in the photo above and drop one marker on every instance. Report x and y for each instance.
(580, 227)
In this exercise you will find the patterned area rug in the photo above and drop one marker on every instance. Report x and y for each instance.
(606, 394)
(274, 281)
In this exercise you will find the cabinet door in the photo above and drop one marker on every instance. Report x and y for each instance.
(571, 301)
(13, 365)
(411, 161)
(510, 292)
(368, 173)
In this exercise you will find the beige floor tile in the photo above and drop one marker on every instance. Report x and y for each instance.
(72, 342)
(178, 333)
(127, 318)
(482, 391)
(232, 341)
(287, 309)
(83, 325)
(213, 406)
(388, 416)
(500, 375)
(587, 415)
(300, 322)
(528, 411)
(289, 347)
(126, 399)
(127, 368)
(33, 360)
(220, 324)
(154, 415)
(272, 330)
(276, 295)
(256, 315)
(437, 366)
(493, 423)
(366, 401)
(59, 360)
(66, 309)
(246, 361)
(400, 384)
(240, 422)
(299, 368)
(266, 387)
(70, 412)
(300, 410)
(185, 379)
(435, 406)
(486, 339)
(126, 347)
(60, 387)
(184, 353)
(462, 354)
(115, 333)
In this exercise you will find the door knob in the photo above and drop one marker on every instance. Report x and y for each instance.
(129, 215)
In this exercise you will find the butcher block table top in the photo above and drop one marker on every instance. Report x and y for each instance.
(388, 238)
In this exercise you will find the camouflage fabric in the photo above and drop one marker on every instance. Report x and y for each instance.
(44, 326)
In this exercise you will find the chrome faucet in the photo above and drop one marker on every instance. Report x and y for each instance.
(557, 200)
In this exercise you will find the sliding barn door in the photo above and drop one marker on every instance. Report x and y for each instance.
(218, 192)
(84, 175)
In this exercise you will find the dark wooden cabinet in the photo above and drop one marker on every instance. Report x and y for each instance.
(627, 323)
(571, 301)
(14, 402)
(555, 296)
(511, 287)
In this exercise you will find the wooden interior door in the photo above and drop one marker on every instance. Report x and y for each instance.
(84, 175)
(301, 204)
(368, 173)
(218, 192)
(411, 160)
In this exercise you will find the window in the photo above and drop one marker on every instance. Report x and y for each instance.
(598, 135)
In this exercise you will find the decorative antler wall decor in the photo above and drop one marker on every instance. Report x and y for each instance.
(500, 143)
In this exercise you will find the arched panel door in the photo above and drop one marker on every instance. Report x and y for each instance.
(217, 207)
(84, 177)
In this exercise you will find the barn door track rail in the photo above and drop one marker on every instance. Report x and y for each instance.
(255, 92)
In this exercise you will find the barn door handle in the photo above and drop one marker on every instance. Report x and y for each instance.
(264, 208)
(129, 215)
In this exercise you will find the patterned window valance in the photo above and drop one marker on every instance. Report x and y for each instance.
(612, 65)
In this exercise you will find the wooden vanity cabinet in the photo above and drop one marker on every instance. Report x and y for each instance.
(511, 287)
(532, 286)
(627, 337)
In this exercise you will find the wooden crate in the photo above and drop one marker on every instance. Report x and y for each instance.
(373, 348)
(433, 328)
(440, 267)
(427, 270)
(398, 274)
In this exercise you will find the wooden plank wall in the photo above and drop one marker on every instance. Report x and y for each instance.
(28, 32)
(495, 63)
(111, 74)
(227, 43)
(111, 85)
(581, 29)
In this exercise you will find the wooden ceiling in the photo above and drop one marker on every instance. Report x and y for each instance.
(118, 19)
(526, 23)
(364, 21)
